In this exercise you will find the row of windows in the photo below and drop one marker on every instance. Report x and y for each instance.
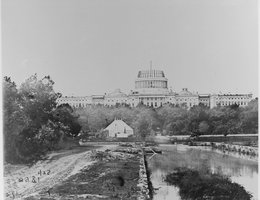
(155, 104)
(151, 84)
(188, 99)
(219, 100)
(228, 103)
(185, 100)
(232, 98)
(151, 98)
(142, 99)
(148, 74)
(66, 100)
(223, 98)
(117, 100)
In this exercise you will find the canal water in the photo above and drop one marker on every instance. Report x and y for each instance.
(242, 170)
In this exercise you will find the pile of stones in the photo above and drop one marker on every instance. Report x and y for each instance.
(143, 181)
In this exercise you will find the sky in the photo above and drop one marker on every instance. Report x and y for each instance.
(96, 46)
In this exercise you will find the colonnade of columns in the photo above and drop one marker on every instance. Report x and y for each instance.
(151, 74)
(151, 84)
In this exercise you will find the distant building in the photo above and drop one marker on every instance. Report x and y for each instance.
(204, 99)
(187, 98)
(230, 99)
(115, 97)
(119, 129)
(151, 89)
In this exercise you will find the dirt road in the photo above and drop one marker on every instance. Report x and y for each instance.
(22, 181)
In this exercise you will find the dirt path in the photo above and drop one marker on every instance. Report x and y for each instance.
(115, 176)
(22, 181)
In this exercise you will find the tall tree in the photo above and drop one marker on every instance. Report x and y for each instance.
(29, 120)
(38, 99)
(14, 119)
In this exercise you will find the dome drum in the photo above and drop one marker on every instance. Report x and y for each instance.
(150, 84)
(150, 74)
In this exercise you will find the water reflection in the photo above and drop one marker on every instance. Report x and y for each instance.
(240, 170)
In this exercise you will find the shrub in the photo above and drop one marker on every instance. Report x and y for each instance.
(204, 185)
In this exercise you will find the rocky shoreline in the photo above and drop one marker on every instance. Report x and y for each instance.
(244, 150)
(143, 182)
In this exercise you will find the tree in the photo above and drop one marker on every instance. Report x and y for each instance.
(29, 124)
(203, 127)
(51, 134)
(143, 128)
(14, 118)
(38, 99)
(173, 119)
(65, 114)
(249, 117)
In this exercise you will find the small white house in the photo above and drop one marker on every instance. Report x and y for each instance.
(119, 128)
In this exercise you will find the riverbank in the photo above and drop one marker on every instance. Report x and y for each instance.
(244, 150)
(239, 139)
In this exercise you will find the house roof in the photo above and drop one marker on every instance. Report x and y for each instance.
(116, 93)
(118, 124)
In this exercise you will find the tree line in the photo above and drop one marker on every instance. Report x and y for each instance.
(173, 120)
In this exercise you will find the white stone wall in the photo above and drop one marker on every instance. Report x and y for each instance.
(158, 100)
(230, 99)
(111, 101)
(75, 101)
(190, 101)
(155, 101)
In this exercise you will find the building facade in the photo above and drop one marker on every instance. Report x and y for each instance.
(151, 89)
(230, 99)
(119, 129)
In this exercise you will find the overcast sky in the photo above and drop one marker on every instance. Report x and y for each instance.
(95, 46)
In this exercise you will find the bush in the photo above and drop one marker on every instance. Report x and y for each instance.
(204, 185)
(33, 124)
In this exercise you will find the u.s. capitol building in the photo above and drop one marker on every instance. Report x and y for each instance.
(151, 89)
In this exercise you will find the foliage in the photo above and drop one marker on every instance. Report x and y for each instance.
(173, 120)
(14, 118)
(249, 117)
(38, 99)
(65, 114)
(204, 185)
(142, 119)
(32, 122)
